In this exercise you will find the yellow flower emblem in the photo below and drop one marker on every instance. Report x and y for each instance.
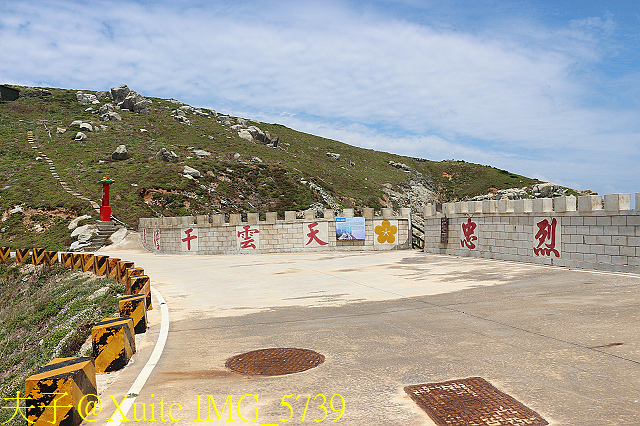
(386, 232)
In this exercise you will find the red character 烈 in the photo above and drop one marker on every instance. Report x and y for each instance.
(546, 232)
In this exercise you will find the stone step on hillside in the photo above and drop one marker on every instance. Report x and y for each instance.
(105, 230)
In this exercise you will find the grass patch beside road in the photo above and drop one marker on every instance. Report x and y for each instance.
(45, 313)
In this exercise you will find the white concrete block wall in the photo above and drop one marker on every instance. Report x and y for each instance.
(217, 237)
(593, 234)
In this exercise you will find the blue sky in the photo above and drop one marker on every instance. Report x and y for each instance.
(547, 89)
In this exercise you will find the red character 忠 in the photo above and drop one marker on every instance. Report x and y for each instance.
(468, 229)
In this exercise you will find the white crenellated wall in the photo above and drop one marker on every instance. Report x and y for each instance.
(591, 231)
(214, 235)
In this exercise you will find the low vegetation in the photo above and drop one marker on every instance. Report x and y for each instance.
(45, 313)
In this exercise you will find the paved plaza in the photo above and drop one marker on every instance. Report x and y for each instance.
(565, 343)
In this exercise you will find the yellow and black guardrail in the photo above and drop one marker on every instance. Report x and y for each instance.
(66, 259)
(130, 273)
(87, 262)
(62, 392)
(5, 252)
(51, 257)
(21, 255)
(123, 265)
(37, 257)
(112, 266)
(100, 264)
(141, 284)
(77, 261)
(114, 343)
(134, 306)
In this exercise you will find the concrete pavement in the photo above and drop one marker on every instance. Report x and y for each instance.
(565, 343)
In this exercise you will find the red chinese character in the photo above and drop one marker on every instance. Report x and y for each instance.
(546, 232)
(156, 239)
(313, 235)
(189, 237)
(468, 229)
(247, 241)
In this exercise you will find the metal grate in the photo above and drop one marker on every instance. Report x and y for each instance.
(471, 402)
(275, 361)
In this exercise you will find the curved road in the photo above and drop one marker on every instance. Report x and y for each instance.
(564, 343)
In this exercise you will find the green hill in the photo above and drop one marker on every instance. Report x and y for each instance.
(261, 178)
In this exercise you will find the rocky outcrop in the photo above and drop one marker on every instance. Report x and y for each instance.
(400, 166)
(80, 136)
(86, 98)
(166, 155)
(103, 94)
(120, 153)
(510, 193)
(545, 190)
(191, 172)
(415, 193)
(118, 94)
(127, 99)
(327, 198)
(333, 155)
(181, 116)
(107, 113)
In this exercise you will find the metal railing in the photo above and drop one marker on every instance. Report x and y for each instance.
(417, 241)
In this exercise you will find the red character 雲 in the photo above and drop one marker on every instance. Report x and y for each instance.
(246, 235)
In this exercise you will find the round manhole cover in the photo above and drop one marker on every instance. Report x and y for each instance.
(275, 361)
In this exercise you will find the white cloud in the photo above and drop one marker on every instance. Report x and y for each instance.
(516, 96)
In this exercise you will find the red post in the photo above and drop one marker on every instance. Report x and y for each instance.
(105, 209)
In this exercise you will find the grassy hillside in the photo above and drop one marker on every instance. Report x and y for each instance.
(145, 187)
(45, 313)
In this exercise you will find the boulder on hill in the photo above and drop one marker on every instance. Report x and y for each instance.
(544, 190)
(86, 98)
(135, 102)
(80, 136)
(118, 94)
(190, 171)
(103, 94)
(128, 99)
(333, 155)
(120, 153)
(165, 155)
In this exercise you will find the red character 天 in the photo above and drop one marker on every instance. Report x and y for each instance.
(313, 235)
(246, 235)
(189, 237)
(468, 230)
(546, 236)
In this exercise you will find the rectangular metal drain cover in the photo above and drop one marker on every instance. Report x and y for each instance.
(471, 402)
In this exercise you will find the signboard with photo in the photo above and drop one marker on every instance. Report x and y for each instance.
(350, 228)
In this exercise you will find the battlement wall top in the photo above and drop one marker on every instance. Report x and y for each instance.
(270, 218)
(582, 205)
